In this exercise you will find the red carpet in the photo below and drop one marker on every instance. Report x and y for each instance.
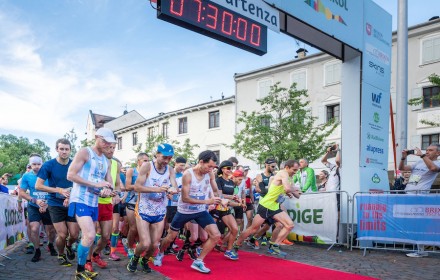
(249, 266)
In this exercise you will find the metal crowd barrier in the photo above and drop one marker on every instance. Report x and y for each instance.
(381, 244)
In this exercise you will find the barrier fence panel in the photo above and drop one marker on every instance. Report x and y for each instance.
(12, 222)
(396, 220)
(317, 217)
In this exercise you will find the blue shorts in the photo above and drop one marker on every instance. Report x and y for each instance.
(202, 218)
(152, 219)
(34, 215)
(81, 210)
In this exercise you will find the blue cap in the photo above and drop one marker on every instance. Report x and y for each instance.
(165, 149)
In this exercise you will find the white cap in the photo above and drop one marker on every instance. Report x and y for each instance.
(107, 134)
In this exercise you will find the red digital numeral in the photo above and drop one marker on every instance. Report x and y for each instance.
(199, 12)
(255, 34)
(229, 21)
(173, 10)
(212, 16)
(241, 26)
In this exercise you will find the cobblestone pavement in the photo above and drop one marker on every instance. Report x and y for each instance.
(378, 264)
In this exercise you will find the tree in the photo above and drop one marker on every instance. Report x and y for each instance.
(72, 137)
(186, 150)
(15, 151)
(283, 129)
(435, 80)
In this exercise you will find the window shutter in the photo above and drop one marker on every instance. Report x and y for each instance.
(416, 93)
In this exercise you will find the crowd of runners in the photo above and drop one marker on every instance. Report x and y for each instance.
(163, 207)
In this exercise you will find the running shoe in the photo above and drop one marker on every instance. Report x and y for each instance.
(158, 259)
(37, 256)
(275, 250)
(257, 245)
(70, 253)
(192, 254)
(30, 249)
(231, 255)
(250, 244)
(82, 275)
(264, 241)
(125, 244)
(130, 253)
(182, 237)
(52, 250)
(91, 274)
(106, 250)
(114, 257)
(180, 255)
(144, 263)
(100, 262)
(286, 242)
(74, 246)
(199, 265)
(219, 248)
(417, 254)
(62, 260)
(132, 265)
(170, 251)
(89, 267)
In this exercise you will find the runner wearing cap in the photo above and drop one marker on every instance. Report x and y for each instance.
(55, 172)
(197, 184)
(152, 184)
(37, 208)
(222, 212)
(269, 207)
(130, 204)
(91, 176)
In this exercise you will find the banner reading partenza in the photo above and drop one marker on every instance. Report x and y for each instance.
(315, 217)
(11, 221)
(410, 218)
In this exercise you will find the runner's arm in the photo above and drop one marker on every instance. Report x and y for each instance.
(128, 179)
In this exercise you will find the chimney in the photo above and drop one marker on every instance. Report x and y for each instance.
(301, 53)
(125, 112)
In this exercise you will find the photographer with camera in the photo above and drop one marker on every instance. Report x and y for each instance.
(334, 179)
(424, 171)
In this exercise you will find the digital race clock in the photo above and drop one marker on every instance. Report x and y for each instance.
(215, 21)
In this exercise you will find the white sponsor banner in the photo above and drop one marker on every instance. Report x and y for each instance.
(414, 211)
(256, 10)
(315, 217)
(12, 222)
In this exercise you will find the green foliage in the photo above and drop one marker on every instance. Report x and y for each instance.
(15, 151)
(435, 80)
(291, 134)
(72, 137)
(186, 150)
(87, 143)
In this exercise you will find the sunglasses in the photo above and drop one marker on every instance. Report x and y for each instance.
(228, 167)
(273, 166)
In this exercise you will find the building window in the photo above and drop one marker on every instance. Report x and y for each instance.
(300, 78)
(217, 153)
(183, 125)
(119, 143)
(332, 73)
(429, 139)
(151, 132)
(431, 50)
(333, 112)
(135, 138)
(165, 127)
(264, 88)
(431, 97)
(214, 119)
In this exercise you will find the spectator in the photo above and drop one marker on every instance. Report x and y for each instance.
(3, 183)
(333, 180)
(234, 161)
(323, 180)
(401, 181)
(423, 174)
(305, 177)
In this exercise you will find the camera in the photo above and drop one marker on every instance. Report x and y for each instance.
(410, 152)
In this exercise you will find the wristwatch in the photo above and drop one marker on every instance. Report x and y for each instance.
(422, 156)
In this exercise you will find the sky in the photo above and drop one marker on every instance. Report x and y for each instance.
(60, 59)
